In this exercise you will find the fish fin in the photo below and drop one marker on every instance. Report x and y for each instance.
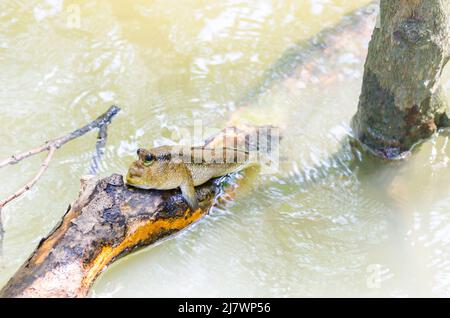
(188, 191)
(222, 148)
(218, 154)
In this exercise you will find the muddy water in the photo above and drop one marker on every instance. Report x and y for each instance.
(326, 224)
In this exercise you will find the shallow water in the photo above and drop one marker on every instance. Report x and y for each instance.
(327, 224)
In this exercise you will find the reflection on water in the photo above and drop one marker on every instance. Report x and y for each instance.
(331, 222)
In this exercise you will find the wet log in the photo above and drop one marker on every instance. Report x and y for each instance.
(107, 221)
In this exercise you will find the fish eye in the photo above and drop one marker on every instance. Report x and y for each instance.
(148, 159)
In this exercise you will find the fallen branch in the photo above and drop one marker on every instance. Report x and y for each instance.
(51, 146)
(109, 220)
(101, 121)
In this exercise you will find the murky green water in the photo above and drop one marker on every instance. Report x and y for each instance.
(325, 225)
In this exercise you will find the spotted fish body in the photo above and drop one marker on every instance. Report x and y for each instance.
(170, 167)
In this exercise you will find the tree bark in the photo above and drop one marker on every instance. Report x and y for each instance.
(401, 100)
(107, 221)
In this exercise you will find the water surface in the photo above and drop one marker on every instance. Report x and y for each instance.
(327, 224)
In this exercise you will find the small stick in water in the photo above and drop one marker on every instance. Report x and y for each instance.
(51, 146)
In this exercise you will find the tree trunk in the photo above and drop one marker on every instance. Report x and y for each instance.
(401, 100)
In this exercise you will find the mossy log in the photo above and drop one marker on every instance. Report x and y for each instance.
(401, 100)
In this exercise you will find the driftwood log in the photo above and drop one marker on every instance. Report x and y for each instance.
(110, 220)
(107, 221)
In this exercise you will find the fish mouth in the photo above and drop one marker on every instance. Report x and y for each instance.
(132, 182)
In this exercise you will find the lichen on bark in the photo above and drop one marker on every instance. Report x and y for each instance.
(401, 100)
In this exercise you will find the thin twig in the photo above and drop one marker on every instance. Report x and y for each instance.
(32, 182)
(57, 143)
(2, 234)
(22, 190)
(99, 149)
(51, 146)
(16, 158)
